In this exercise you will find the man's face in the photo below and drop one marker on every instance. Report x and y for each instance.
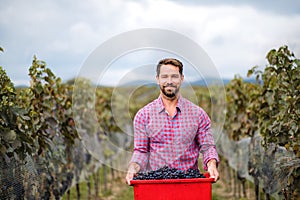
(169, 80)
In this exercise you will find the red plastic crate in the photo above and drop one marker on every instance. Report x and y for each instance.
(173, 189)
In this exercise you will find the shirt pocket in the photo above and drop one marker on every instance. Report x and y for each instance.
(155, 133)
(188, 133)
(155, 129)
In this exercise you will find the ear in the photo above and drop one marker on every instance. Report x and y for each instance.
(157, 80)
(182, 78)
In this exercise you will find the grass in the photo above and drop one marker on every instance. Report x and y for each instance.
(126, 194)
(216, 196)
(84, 193)
(73, 193)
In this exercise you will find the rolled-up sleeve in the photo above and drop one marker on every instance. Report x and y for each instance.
(206, 141)
(141, 142)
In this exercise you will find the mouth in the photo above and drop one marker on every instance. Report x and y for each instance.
(170, 86)
(170, 89)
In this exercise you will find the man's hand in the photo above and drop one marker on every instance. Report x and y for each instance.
(132, 170)
(212, 169)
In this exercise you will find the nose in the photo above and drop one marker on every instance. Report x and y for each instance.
(169, 80)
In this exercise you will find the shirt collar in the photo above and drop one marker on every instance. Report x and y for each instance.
(160, 105)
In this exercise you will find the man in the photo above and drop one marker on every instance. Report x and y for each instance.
(171, 130)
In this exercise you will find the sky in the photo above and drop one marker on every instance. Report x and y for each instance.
(235, 35)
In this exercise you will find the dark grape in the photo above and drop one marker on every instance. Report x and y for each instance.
(168, 173)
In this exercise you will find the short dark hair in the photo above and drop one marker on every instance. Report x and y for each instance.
(169, 61)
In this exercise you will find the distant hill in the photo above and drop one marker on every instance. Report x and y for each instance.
(210, 81)
(21, 86)
(200, 82)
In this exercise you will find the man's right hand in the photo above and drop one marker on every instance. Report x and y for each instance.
(132, 170)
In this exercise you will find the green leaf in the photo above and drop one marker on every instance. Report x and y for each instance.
(2, 149)
(24, 117)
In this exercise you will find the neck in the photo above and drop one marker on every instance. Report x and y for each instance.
(170, 104)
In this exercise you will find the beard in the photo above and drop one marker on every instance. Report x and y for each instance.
(169, 93)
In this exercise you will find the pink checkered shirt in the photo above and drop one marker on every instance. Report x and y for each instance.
(160, 139)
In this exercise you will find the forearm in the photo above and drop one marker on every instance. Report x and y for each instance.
(212, 163)
(134, 168)
(141, 142)
(141, 158)
(207, 146)
(210, 156)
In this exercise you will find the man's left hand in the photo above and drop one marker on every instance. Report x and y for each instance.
(212, 169)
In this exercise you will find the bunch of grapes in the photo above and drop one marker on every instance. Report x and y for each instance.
(168, 173)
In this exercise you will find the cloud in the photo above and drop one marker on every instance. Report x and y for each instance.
(288, 7)
(236, 35)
